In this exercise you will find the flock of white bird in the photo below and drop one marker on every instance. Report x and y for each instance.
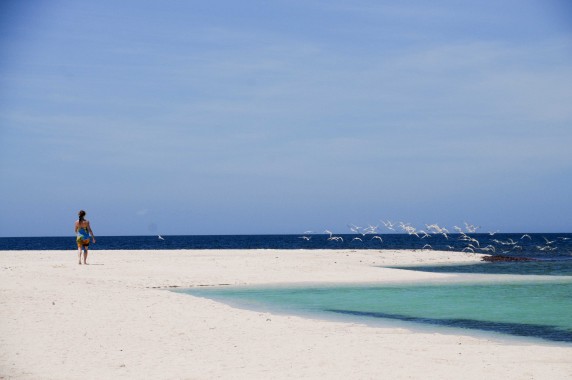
(462, 234)
(471, 244)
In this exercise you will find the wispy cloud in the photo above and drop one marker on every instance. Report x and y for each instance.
(365, 98)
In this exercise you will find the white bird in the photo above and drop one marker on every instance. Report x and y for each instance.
(409, 229)
(548, 242)
(471, 227)
(328, 232)
(508, 242)
(436, 229)
(489, 248)
(372, 229)
(305, 237)
(425, 234)
(336, 238)
(377, 237)
(465, 237)
(525, 236)
(389, 225)
(356, 238)
(493, 232)
(354, 228)
(160, 237)
(427, 246)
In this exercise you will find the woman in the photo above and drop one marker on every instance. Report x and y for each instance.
(83, 231)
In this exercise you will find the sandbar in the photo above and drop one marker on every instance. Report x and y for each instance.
(117, 319)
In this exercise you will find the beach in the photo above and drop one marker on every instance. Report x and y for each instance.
(117, 319)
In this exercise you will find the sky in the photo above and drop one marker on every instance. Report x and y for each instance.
(277, 117)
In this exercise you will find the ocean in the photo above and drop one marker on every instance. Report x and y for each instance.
(537, 307)
(540, 246)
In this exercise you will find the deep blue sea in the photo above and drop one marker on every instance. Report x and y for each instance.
(541, 246)
(539, 308)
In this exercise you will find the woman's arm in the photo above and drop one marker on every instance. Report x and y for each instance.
(90, 231)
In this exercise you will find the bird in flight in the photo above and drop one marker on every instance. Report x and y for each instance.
(388, 225)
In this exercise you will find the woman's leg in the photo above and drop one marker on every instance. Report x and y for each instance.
(85, 250)
(79, 253)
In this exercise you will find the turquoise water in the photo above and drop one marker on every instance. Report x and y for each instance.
(541, 309)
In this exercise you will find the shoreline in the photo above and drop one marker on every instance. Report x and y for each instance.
(113, 319)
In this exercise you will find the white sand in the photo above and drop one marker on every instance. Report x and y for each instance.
(60, 320)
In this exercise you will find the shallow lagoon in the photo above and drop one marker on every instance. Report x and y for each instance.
(540, 309)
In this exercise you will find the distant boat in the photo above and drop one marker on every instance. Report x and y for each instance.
(160, 237)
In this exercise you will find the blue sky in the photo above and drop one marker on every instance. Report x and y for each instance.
(226, 117)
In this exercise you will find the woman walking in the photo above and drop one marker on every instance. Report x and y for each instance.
(83, 232)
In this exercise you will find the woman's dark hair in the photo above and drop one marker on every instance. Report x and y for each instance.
(81, 214)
